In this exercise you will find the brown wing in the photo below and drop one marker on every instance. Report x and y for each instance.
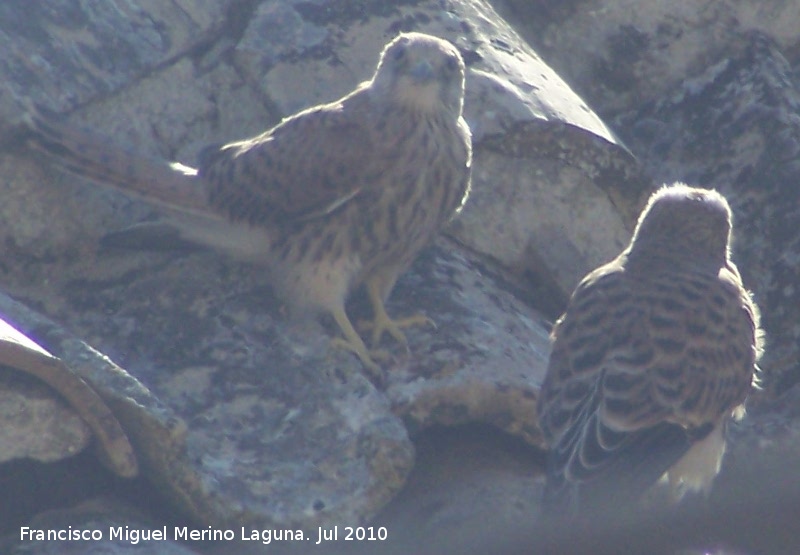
(641, 369)
(307, 166)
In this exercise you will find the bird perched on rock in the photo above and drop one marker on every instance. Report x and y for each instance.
(335, 196)
(655, 353)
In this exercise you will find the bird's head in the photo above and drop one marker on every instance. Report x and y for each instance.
(422, 73)
(685, 223)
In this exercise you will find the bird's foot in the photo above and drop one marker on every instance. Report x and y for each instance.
(352, 342)
(365, 355)
(384, 324)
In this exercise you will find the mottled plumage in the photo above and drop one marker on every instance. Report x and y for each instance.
(656, 351)
(335, 196)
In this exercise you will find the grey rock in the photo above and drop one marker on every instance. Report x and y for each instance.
(551, 201)
(280, 428)
(484, 362)
(239, 415)
(256, 402)
(470, 486)
(31, 423)
(157, 435)
(621, 54)
(68, 52)
(36, 423)
(261, 425)
(322, 49)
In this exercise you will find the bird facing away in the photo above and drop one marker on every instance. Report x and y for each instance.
(333, 197)
(656, 351)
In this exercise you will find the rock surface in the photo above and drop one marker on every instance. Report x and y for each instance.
(37, 425)
(242, 416)
(314, 422)
(209, 95)
(620, 55)
(21, 355)
(550, 202)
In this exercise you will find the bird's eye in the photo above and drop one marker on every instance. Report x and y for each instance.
(399, 53)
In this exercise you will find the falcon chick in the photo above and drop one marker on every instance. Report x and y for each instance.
(656, 351)
(335, 196)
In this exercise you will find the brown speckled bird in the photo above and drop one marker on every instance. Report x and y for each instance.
(656, 351)
(335, 196)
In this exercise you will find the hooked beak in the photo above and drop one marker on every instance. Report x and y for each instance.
(422, 71)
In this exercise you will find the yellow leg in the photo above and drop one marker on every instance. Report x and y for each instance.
(353, 342)
(383, 323)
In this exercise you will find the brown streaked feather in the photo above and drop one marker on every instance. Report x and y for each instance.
(339, 151)
(87, 154)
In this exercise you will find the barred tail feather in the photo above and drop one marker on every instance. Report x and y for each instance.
(94, 157)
